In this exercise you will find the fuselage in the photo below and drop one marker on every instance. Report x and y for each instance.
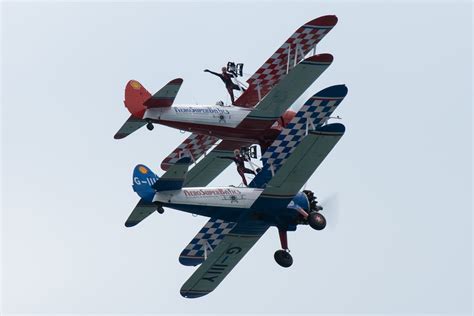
(229, 204)
(224, 122)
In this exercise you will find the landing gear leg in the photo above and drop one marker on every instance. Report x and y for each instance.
(283, 257)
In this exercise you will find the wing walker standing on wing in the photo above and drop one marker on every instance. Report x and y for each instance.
(226, 76)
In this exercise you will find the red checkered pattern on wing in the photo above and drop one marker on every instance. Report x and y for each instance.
(194, 146)
(273, 70)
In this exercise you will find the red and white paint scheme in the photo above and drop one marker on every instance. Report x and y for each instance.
(259, 113)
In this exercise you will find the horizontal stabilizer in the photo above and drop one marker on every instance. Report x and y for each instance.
(173, 179)
(165, 96)
(140, 212)
(131, 125)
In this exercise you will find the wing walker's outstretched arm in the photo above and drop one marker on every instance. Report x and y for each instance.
(214, 73)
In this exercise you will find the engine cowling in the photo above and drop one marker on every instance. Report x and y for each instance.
(312, 200)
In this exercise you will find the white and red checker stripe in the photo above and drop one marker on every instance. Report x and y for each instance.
(272, 71)
(194, 146)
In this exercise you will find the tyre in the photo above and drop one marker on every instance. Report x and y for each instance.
(283, 258)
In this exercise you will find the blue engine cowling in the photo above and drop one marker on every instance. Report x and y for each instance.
(300, 200)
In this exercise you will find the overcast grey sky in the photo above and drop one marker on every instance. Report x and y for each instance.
(399, 240)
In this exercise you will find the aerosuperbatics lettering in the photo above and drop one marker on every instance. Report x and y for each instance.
(203, 110)
(211, 192)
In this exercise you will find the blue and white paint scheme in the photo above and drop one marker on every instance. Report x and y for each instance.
(239, 216)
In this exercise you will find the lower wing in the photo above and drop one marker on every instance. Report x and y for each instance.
(204, 243)
(223, 259)
(194, 146)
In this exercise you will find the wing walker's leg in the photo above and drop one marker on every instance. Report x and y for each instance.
(283, 257)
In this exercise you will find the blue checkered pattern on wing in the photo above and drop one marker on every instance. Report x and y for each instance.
(212, 233)
(317, 111)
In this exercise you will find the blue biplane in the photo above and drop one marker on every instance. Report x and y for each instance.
(239, 216)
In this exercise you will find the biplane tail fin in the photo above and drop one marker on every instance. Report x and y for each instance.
(138, 99)
(135, 97)
(143, 181)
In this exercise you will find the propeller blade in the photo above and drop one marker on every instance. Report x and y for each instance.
(331, 209)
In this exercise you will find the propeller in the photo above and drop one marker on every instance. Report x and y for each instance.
(331, 209)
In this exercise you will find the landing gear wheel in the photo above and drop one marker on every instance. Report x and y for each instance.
(316, 221)
(160, 210)
(283, 258)
(150, 126)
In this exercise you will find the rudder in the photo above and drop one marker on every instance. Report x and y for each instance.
(135, 97)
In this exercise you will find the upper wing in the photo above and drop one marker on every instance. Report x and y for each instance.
(315, 112)
(194, 146)
(293, 50)
(301, 164)
(204, 243)
(290, 88)
(209, 167)
(305, 159)
(223, 259)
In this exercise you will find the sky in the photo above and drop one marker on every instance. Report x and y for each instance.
(399, 235)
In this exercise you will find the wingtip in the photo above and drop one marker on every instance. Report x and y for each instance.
(130, 223)
(192, 293)
(336, 91)
(326, 20)
(334, 129)
(177, 81)
(322, 58)
(119, 136)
